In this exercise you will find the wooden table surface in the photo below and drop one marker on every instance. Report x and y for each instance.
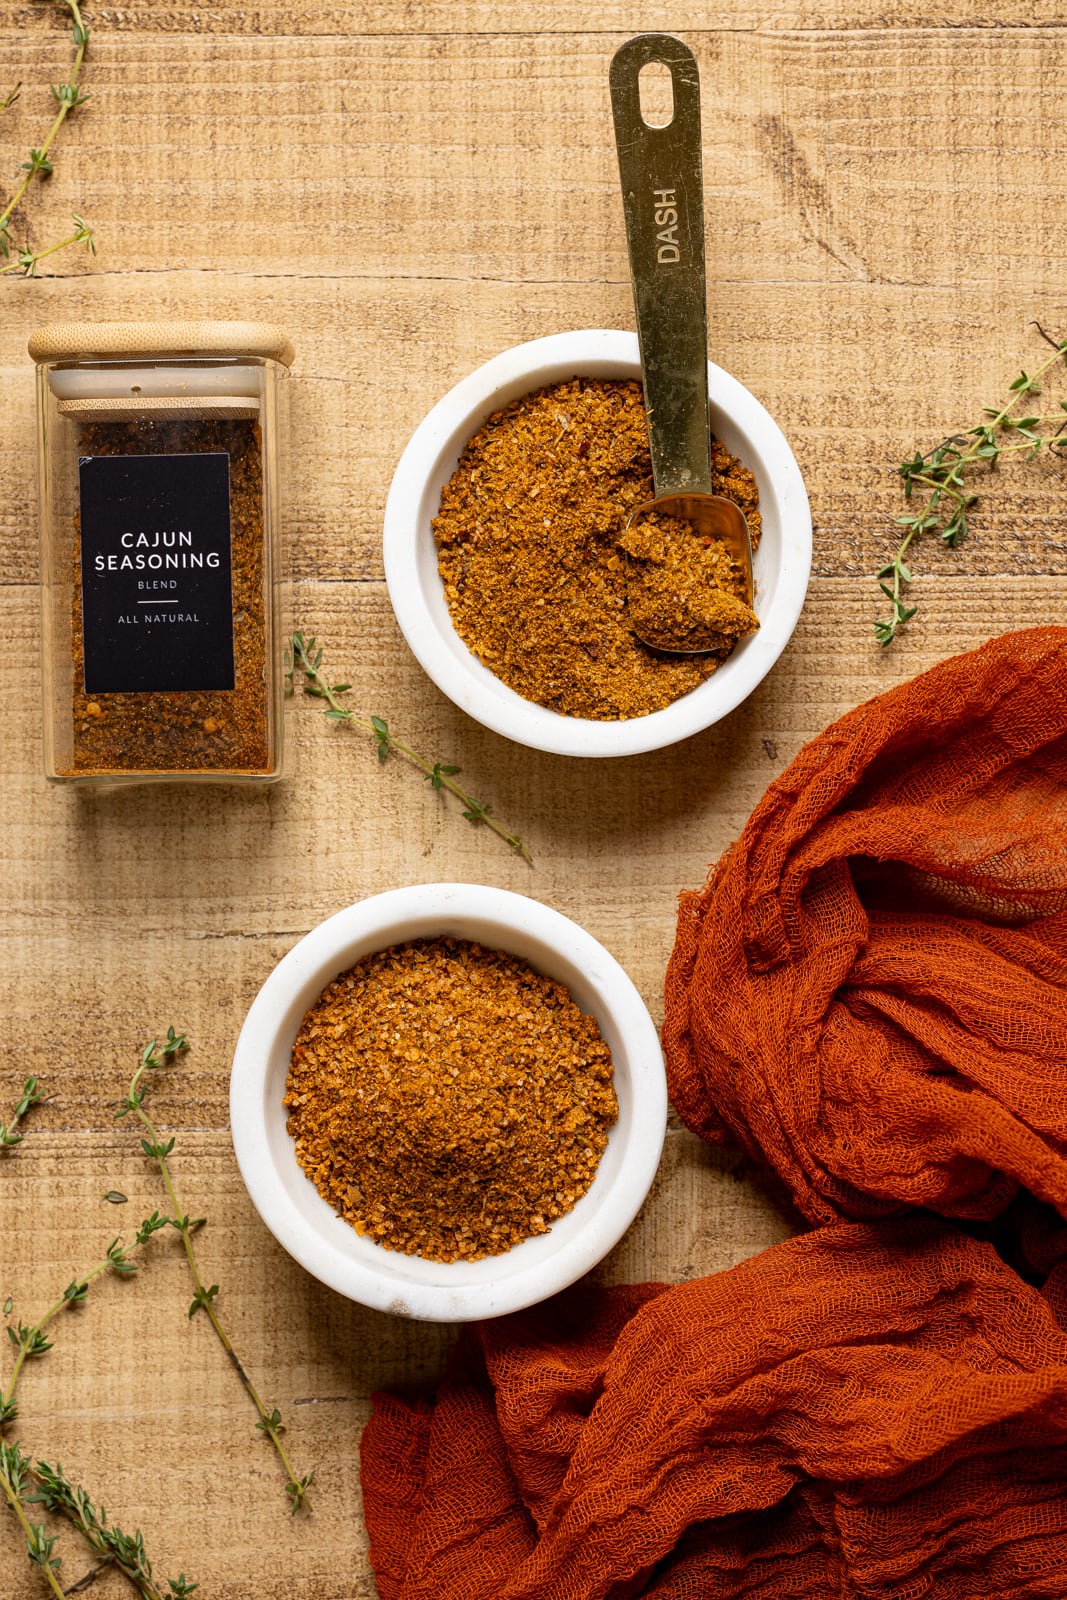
(409, 189)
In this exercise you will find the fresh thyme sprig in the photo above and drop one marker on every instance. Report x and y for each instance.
(942, 475)
(15, 1469)
(29, 1338)
(68, 96)
(31, 1096)
(124, 1551)
(52, 1490)
(14, 1476)
(27, 259)
(306, 654)
(153, 1056)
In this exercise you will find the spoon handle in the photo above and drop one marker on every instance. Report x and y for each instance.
(662, 195)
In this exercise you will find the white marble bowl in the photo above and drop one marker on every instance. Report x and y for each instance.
(306, 1224)
(781, 567)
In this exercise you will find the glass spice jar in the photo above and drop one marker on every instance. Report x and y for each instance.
(160, 448)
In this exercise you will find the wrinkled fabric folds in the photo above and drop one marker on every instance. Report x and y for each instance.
(870, 992)
(867, 1410)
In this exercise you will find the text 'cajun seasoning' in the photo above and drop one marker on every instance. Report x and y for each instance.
(224, 726)
(447, 1100)
(528, 551)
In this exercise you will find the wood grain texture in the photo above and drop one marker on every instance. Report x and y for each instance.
(408, 190)
(488, 18)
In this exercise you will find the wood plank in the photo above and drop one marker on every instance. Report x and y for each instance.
(486, 18)
(493, 159)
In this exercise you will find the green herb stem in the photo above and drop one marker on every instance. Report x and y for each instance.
(270, 1422)
(68, 97)
(941, 474)
(31, 1096)
(51, 1488)
(26, 260)
(30, 1340)
(126, 1552)
(38, 1545)
(440, 775)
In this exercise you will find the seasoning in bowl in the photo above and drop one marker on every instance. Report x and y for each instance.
(528, 550)
(447, 1100)
(684, 590)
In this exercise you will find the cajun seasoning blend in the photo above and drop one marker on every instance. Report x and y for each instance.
(448, 1100)
(535, 568)
(161, 560)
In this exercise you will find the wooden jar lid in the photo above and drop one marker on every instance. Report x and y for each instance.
(113, 341)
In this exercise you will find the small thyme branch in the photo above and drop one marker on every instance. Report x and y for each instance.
(126, 1552)
(55, 1492)
(31, 1096)
(26, 260)
(68, 96)
(940, 476)
(14, 1475)
(307, 656)
(51, 1488)
(154, 1056)
(29, 1339)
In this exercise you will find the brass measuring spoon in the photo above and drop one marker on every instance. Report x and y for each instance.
(662, 192)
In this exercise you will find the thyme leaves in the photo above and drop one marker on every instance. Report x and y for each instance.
(26, 1483)
(306, 656)
(154, 1056)
(31, 1096)
(68, 96)
(940, 480)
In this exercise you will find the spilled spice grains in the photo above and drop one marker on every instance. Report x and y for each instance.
(187, 731)
(527, 537)
(682, 587)
(447, 1100)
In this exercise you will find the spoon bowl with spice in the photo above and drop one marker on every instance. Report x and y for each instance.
(502, 556)
(448, 1102)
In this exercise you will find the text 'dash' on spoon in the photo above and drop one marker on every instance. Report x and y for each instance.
(689, 555)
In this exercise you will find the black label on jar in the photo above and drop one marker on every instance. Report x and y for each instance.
(157, 605)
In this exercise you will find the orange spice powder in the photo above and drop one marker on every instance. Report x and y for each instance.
(448, 1100)
(528, 550)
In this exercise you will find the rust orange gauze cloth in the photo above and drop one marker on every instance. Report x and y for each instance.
(870, 993)
(873, 1411)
